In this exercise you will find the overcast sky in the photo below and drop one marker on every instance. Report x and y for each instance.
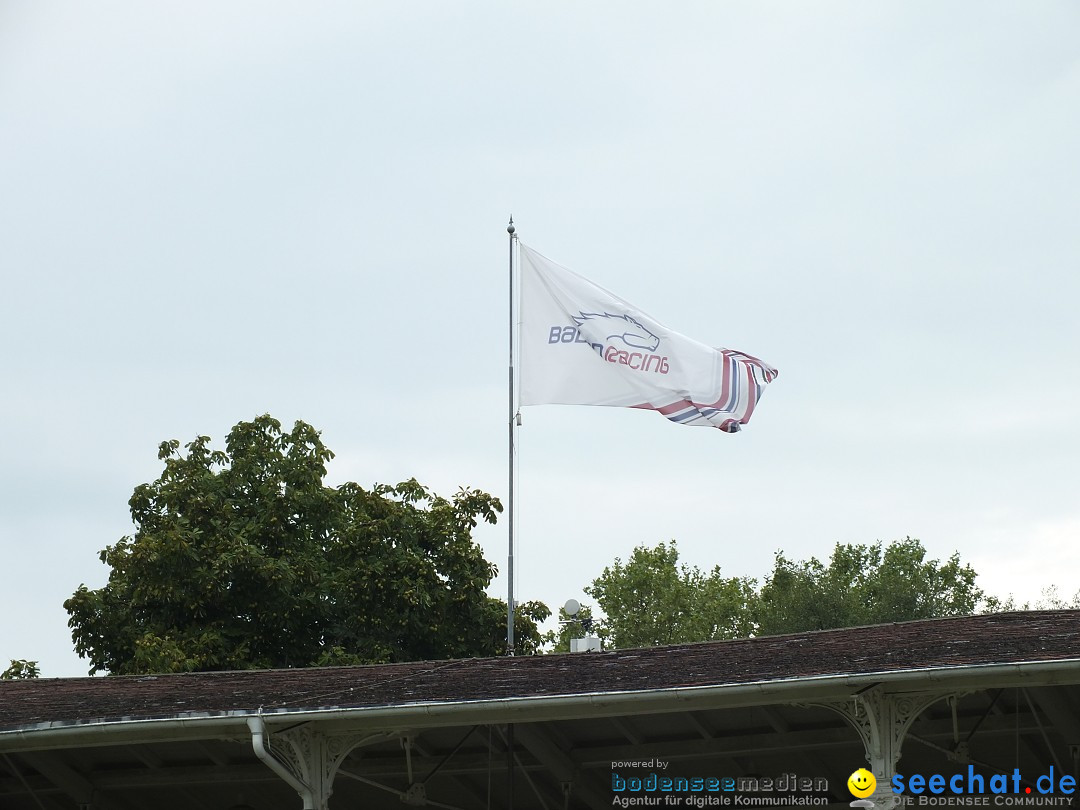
(210, 211)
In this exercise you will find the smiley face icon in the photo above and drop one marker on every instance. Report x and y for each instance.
(861, 783)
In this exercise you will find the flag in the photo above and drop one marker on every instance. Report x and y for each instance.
(582, 345)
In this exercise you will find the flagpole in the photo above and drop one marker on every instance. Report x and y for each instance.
(510, 523)
(510, 423)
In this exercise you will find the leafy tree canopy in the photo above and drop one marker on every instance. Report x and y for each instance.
(245, 558)
(1049, 599)
(864, 584)
(651, 599)
(20, 669)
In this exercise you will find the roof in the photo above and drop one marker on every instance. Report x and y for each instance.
(938, 644)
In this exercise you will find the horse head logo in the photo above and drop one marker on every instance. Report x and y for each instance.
(618, 327)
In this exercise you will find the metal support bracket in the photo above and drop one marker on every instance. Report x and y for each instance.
(882, 720)
(306, 758)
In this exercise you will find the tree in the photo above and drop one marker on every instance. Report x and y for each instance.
(1049, 599)
(864, 584)
(245, 558)
(652, 600)
(20, 669)
(527, 637)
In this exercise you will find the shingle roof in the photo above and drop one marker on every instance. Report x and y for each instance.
(1039, 636)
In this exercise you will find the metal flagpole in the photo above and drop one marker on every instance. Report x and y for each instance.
(510, 510)
(510, 422)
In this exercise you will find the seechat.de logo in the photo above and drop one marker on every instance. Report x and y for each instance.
(975, 784)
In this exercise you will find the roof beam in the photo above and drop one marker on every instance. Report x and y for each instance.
(440, 768)
(563, 768)
(176, 776)
(77, 786)
(1058, 708)
(624, 727)
(736, 745)
(698, 726)
(74, 784)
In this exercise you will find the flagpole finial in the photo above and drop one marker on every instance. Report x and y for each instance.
(510, 228)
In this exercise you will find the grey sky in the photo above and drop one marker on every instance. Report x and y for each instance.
(210, 211)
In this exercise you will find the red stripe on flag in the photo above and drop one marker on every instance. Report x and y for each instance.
(751, 396)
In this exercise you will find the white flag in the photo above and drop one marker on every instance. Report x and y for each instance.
(582, 345)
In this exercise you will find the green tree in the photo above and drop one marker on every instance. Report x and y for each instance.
(20, 669)
(864, 584)
(652, 600)
(245, 558)
(527, 619)
(1049, 599)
